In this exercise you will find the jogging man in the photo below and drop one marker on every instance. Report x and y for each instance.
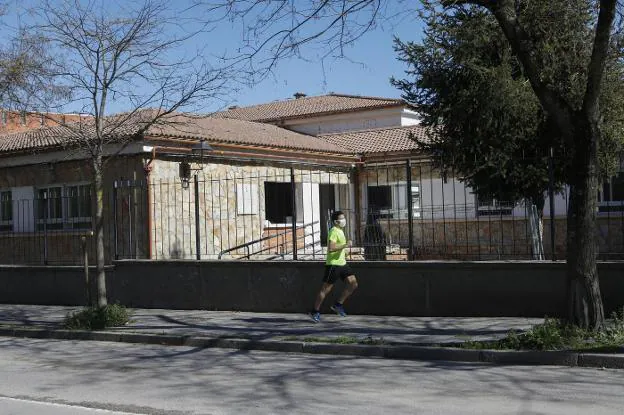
(336, 267)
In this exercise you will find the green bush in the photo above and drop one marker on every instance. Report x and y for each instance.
(556, 334)
(97, 318)
(553, 334)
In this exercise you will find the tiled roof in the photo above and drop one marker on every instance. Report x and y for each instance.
(379, 140)
(217, 130)
(308, 106)
(176, 126)
(116, 126)
(37, 139)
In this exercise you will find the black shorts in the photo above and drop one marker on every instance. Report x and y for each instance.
(333, 272)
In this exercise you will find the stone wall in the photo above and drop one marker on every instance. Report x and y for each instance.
(232, 207)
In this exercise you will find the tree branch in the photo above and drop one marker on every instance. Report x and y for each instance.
(600, 51)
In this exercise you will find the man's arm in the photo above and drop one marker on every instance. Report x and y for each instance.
(333, 246)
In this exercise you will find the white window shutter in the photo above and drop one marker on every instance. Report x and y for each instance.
(246, 199)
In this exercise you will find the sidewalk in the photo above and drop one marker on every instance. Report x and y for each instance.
(274, 326)
(388, 336)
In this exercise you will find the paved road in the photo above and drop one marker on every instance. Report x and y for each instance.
(141, 379)
(25, 406)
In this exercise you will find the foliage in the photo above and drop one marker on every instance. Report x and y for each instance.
(26, 73)
(471, 88)
(97, 318)
(555, 334)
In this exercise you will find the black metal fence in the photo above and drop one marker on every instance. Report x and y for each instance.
(402, 211)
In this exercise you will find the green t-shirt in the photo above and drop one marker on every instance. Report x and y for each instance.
(337, 236)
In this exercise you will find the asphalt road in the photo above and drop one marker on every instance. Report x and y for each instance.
(85, 378)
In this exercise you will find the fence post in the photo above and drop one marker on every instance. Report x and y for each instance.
(551, 197)
(46, 206)
(115, 236)
(294, 212)
(85, 256)
(410, 211)
(197, 229)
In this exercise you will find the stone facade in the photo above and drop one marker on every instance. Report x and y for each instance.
(232, 209)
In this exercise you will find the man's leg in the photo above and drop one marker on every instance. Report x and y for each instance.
(325, 289)
(351, 285)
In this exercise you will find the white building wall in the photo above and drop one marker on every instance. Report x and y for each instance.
(454, 199)
(355, 121)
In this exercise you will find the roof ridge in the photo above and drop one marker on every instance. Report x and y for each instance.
(334, 94)
(309, 97)
(366, 130)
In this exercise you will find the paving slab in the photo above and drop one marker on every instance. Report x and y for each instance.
(414, 338)
(280, 326)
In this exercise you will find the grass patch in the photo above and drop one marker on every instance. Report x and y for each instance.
(97, 318)
(339, 340)
(555, 334)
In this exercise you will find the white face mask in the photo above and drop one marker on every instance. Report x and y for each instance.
(341, 222)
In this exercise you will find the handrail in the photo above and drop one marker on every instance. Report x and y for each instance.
(265, 238)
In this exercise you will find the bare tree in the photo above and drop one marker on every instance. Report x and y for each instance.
(26, 75)
(134, 53)
(279, 29)
(311, 30)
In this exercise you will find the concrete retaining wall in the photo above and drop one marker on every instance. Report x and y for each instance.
(386, 288)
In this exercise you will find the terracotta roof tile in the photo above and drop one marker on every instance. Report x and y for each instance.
(177, 126)
(379, 140)
(233, 131)
(308, 106)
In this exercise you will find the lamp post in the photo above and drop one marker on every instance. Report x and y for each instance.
(200, 148)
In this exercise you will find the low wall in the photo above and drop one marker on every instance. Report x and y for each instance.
(386, 288)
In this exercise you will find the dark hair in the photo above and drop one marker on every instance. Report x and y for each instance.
(336, 214)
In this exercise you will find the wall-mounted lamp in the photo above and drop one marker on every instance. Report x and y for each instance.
(185, 174)
(185, 167)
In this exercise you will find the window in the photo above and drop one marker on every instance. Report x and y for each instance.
(23, 117)
(4, 118)
(390, 201)
(64, 207)
(79, 206)
(278, 202)
(6, 211)
(611, 195)
(489, 206)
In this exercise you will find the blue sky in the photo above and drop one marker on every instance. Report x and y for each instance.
(369, 65)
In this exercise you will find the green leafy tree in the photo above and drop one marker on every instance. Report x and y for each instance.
(490, 128)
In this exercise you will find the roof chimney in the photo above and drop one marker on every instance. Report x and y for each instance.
(233, 107)
(298, 95)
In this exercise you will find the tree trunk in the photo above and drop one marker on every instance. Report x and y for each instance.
(99, 235)
(585, 307)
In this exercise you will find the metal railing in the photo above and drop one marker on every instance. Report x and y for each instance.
(294, 244)
(398, 211)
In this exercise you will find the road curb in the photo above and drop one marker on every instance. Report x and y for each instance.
(406, 352)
